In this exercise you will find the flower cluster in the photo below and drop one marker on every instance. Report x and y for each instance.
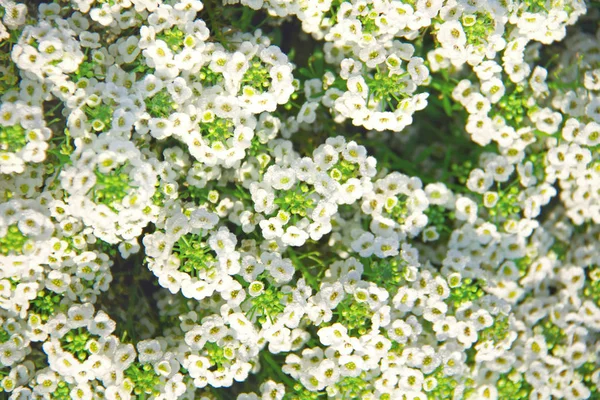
(299, 200)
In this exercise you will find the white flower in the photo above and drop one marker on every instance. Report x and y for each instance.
(102, 15)
(271, 228)
(149, 351)
(80, 315)
(466, 209)
(294, 236)
(451, 33)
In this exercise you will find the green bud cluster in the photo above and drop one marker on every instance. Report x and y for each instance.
(266, 305)
(301, 393)
(523, 265)
(553, 334)
(62, 392)
(13, 241)
(75, 342)
(12, 138)
(513, 106)
(444, 388)
(535, 6)
(218, 130)
(511, 390)
(105, 248)
(439, 217)
(209, 77)
(45, 304)
(161, 105)
(173, 37)
(145, 380)
(388, 88)
(497, 332)
(387, 272)
(257, 76)
(111, 187)
(399, 211)
(195, 255)
(355, 315)
(507, 204)
(352, 388)
(295, 201)
(216, 354)
(85, 70)
(344, 170)
(368, 21)
(592, 285)
(462, 171)
(469, 290)
(478, 27)
(586, 371)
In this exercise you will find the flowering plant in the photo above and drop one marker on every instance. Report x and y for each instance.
(275, 199)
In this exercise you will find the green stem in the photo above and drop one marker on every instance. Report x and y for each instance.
(305, 273)
(277, 369)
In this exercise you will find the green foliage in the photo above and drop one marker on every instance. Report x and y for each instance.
(4, 336)
(100, 116)
(387, 272)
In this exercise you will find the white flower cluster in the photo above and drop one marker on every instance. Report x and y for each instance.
(24, 139)
(559, 122)
(186, 213)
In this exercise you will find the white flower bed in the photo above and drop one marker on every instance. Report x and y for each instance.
(299, 199)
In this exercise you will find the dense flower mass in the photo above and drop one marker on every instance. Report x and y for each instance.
(275, 199)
